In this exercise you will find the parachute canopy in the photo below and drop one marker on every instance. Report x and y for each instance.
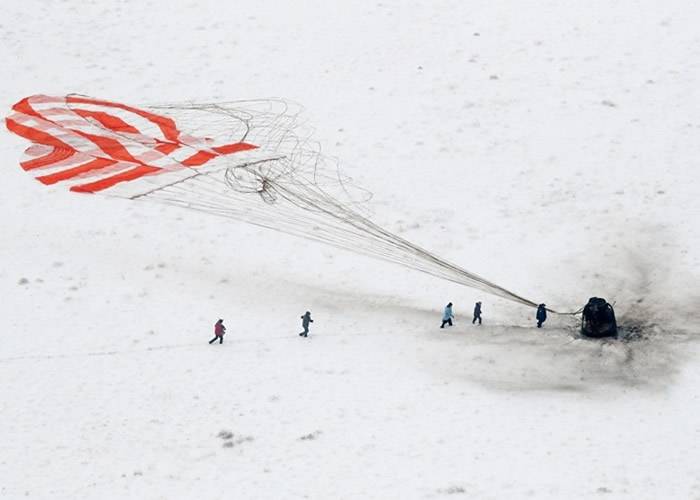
(251, 161)
(92, 144)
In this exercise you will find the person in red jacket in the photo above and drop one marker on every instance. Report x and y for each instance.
(219, 330)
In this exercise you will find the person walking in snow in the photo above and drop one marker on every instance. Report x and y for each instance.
(477, 313)
(541, 315)
(219, 330)
(305, 320)
(447, 316)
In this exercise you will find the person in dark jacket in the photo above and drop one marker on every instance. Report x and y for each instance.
(477, 313)
(219, 330)
(447, 316)
(541, 315)
(305, 320)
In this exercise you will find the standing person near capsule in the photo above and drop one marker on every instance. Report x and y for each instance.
(447, 316)
(219, 330)
(305, 320)
(477, 313)
(541, 315)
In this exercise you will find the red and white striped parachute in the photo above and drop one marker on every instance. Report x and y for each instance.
(245, 160)
(93, 145)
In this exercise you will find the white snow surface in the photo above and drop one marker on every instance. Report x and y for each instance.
(552, 147)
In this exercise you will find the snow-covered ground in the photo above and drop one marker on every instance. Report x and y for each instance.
(552, 147)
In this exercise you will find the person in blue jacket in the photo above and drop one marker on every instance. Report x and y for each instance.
(541, 315)
(447, 316)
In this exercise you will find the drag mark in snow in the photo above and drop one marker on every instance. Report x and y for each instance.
(95, 353)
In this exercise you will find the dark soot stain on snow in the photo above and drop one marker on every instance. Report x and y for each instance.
(645, 357)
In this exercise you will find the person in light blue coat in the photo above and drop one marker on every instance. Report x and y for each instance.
(447, 316)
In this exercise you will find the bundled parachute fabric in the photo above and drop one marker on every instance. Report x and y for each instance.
(250, 161)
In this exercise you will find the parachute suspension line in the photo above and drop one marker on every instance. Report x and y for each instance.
(295, 189)
(306, 210)
(427, 262)
(253, 161)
